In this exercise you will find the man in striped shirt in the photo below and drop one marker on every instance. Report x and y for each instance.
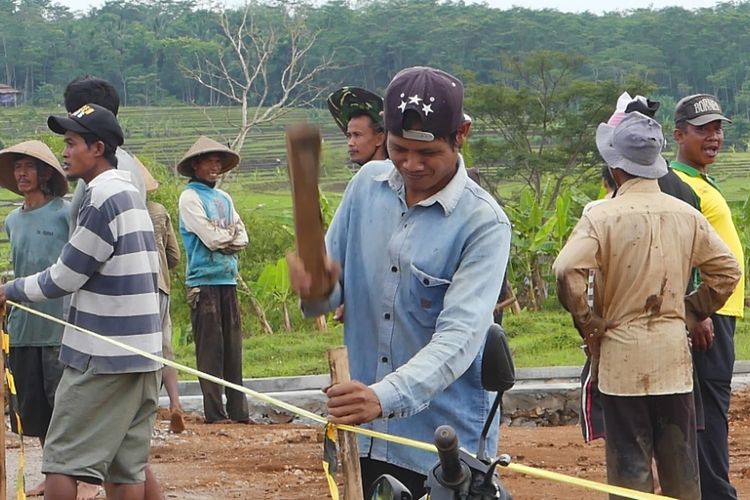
(105, 405)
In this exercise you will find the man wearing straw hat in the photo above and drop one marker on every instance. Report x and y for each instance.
(105, 404)
(213, 233)
(645, 244)
(358, 113)
(37, 231)
(169, 257)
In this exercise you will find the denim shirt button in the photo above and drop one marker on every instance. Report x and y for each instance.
(394, 269)
(384, 359)
(387, 315)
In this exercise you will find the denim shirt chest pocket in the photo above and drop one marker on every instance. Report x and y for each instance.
(426, 293)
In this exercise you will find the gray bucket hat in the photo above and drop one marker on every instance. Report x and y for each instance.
(634, 146)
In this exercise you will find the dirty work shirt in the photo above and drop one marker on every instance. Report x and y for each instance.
(37, 236)
(419, 285)
(714, 207)
(645, 243)
(111, 266)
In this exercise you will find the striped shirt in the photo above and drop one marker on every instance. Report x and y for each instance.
(111, 266)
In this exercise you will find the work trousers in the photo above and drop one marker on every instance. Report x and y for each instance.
(715, 368)
(641, 428)
(215, 316)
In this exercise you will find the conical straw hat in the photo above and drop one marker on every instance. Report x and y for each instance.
(149, 182)
(38, 150)
(204, 145)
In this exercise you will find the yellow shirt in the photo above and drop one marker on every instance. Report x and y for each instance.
(714, 207)
(644, 244)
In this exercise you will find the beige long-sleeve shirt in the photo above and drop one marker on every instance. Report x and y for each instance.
(166, 243)
(645, 243)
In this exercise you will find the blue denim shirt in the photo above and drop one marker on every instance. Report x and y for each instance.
(419, 286)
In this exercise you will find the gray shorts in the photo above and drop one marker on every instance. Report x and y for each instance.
(101, 426)
(166, 326)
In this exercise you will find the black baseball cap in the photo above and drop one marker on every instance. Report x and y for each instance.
(89, 119)
(437, 96)
(699, 109)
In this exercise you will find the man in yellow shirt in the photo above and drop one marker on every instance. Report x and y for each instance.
(699, 135)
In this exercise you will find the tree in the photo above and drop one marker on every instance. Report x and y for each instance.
(264, 64)
(539, 121)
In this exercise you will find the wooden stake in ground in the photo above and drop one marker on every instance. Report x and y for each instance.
(303, 155)
(338, 362)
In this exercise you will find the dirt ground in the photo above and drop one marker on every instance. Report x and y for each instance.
(284, 461)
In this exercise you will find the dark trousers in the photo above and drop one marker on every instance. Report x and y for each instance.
(640, 428)
(215, 316)
(714, 369)
(373, 469)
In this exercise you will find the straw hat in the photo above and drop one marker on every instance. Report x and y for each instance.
(149, 182)
(204, 145)
(38, 150)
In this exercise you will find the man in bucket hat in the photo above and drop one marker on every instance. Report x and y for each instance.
(105, 405)
(699, 136)
(357, 112)
(420, 281)
(213, 233)
(644, 244)
(37, 231)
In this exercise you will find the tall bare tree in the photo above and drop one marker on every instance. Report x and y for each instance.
(265, 65)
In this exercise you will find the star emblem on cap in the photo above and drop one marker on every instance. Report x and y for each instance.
(427, 109)
(402, 106)
(414, 99)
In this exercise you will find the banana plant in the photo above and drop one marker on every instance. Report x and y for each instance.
(538, 236)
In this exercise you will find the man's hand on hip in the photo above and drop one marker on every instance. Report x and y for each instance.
(352, 403)
(702, 335)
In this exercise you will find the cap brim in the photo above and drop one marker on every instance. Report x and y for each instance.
(614, 159)
(62, 124)
(702, 120)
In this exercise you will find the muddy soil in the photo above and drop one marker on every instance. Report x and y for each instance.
(284, 461)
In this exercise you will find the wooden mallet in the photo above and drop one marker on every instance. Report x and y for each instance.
(303, 155)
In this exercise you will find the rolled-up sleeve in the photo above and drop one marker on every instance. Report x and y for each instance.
(571, 269)
(719, 273)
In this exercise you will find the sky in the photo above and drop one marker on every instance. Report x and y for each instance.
(594, 6)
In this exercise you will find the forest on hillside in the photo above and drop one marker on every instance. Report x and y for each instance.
(155, 50)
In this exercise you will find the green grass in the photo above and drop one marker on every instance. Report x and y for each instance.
(281, 354)
(545, 338)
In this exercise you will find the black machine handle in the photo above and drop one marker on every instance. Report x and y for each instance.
(446, 441)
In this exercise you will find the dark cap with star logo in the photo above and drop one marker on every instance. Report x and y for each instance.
(435, 95)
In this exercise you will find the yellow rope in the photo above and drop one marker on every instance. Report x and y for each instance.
(523, 469)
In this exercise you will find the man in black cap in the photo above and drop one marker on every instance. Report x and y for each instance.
(420, 280)
(105, 405)
(699, 135)
(357, 112)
